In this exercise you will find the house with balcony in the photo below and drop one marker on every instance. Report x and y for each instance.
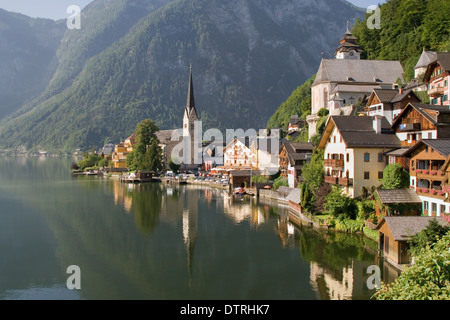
(389, 102)
(292, 158)
(354, 152)
(422, 121)
(437, 75)
(121, 151)
(429, 159)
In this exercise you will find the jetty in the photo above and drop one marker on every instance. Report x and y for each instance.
(138, 177)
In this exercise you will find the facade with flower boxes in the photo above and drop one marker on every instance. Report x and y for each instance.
(437, 75)
(429, 159)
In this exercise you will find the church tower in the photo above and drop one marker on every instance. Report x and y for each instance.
(190, 113)
(348, 49)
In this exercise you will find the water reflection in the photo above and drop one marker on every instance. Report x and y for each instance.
(157, 241)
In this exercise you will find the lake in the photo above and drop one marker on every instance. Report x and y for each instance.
(154, 241)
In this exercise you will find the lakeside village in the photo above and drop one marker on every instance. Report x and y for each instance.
(384, 171)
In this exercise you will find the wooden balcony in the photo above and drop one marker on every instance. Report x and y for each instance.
(334, 163)
(428, 192)
(345, 182)
(331, 180)
(431, 175)
(436, 92)
(409, 127)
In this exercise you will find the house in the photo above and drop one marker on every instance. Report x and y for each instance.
(397, 202)
(295, 124)
(292, 157)
(389, 102)
(354, 152)
(347, 80)
(421, 121)
(121, 150)
(238, 155)
(429, 161)
(437, 75)
(394, 234)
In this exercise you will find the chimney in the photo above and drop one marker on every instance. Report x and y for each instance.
(400, 90)
(377, 124)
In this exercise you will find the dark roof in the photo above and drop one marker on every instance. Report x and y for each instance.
(403, 228)
(423, 110)
(190, 103)
(440, 145)
(385, 95)
(298, 150)
(164, 135)
(358, 131)
(294, 195)
(425, 59)
(398, 196)
(441, 58)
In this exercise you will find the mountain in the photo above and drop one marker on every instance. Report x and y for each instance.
(27, 58)
(130, 61)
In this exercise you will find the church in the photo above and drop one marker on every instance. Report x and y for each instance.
(346, 81)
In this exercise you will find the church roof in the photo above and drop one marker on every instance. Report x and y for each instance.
(190, 104)
(350, 71)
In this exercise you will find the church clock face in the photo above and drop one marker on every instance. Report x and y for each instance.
(352, 53)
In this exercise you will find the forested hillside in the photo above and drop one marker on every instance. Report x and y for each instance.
(407, 26)
(130, 61)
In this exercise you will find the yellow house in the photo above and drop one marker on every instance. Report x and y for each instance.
(354, 152)
(121, 150)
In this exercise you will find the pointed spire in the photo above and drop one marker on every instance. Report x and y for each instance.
(348, 27)
(190, 104)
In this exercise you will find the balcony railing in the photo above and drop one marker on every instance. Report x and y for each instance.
(435, 175)
(436, 92)
(334, 163)
(331, 180)
(409, 127)
(429, 192)
(345, 182)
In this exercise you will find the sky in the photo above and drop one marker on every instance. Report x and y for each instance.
(57, 9)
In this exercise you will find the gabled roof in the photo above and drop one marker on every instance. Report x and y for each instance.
(443, 59)
(428, 111)
(440, 145)
(403, 228)
(297, 150)
(358, 132)
(354, 71)
(425, 59)
(391, 196)
(391, 95)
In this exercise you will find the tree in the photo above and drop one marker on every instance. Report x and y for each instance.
(146, 154)
(173, 166)
(395, 177)
(432, 233)
(339, 205)
(427, 279)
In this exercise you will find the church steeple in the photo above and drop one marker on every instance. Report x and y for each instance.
(348, 48)
(190, 113)
(190, 104)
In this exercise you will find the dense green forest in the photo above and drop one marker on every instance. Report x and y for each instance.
(407, 26)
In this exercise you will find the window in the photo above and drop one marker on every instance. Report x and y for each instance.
(380, 157)
(442, 208)
(366, 157)
(366, 175)
(430, 136)
(380, 175)
(386, 244)
(433, 207)
(348, 157)
(334, 139)
(425, 205)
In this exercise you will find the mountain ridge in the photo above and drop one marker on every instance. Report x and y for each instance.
(246, 56)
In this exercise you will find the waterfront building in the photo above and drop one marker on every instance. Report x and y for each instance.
(354, 152)
(292, 158)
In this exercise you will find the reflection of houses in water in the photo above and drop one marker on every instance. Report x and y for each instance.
(190, 231)
(341, 286)
(121, 195)
(239, 210)
(288, 233)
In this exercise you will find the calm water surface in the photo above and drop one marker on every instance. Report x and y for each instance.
(151, 241)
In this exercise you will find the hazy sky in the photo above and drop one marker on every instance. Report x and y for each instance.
(57, 9)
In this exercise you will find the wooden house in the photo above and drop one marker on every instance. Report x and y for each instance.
(397, 202)
(121, 151)
(389, 102)
(429, 159)
(292, 157)
(394, 234)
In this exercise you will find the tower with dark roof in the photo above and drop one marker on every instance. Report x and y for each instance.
(348, 48)
(190, 113)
